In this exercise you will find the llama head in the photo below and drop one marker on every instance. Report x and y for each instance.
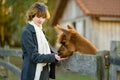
(66, 40)
(71, 41)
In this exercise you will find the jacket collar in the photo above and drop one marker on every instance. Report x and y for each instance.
(31, 28)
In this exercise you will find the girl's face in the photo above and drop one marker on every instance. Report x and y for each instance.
(38, 20)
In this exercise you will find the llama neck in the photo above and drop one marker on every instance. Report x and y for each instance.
(83, 45)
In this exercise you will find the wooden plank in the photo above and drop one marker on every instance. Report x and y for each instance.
(115, 55)
(15, 70)
(118, 75)
(10, 52)
(115, 61)
(82, 63)
(102, 71)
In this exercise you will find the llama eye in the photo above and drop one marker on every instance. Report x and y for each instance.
(63, 43)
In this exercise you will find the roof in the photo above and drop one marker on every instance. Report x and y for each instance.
(96, 8)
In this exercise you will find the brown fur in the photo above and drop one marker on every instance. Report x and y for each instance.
(71, 41)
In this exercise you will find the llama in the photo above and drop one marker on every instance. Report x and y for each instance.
(71, 41)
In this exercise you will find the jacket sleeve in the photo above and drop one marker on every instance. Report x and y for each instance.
(30, 49)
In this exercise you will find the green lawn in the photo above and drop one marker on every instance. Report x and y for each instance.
(61, 75)
(73, 76)
(68, 75)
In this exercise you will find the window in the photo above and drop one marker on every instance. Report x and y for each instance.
(80, 26)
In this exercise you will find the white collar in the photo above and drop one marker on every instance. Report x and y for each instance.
(36, 26)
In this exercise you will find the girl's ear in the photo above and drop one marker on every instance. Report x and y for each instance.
(65, 31)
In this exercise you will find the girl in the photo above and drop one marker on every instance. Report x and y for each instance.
(37, 56)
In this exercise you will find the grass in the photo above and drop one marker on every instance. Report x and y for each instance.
(73, 76)
(67, 75)
(61, 74)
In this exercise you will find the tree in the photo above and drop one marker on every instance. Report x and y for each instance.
(12, 14)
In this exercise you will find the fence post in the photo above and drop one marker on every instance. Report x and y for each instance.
(115, 47)
(7, 60)
(115, 54)
(102, 69)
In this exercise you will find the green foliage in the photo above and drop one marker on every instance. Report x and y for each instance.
(12, 14)
(50, 31)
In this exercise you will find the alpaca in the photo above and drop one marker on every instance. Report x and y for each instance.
(71, 41)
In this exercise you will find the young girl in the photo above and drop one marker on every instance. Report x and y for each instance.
(37, 55)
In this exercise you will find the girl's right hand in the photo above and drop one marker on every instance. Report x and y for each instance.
(59, 58)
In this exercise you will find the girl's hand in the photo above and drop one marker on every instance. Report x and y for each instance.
(59, 58)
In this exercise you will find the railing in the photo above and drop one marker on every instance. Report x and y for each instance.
(4, 60)
(104, 65)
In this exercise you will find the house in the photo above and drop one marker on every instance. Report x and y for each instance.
(97, 20)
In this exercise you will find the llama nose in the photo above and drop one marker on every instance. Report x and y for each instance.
(59, 53)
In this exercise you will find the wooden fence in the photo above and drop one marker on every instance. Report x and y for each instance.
(103, 66)
(4, 60)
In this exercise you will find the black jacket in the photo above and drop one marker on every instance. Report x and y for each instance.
(31, 57)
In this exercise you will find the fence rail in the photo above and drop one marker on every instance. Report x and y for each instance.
(99, 66)
(6, 53)
(10, 52)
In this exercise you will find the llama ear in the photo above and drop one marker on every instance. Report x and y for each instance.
(70, 27)
(62, 29)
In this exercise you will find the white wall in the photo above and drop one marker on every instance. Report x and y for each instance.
(72, 13)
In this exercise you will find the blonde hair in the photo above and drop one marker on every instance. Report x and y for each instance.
(38, 9)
